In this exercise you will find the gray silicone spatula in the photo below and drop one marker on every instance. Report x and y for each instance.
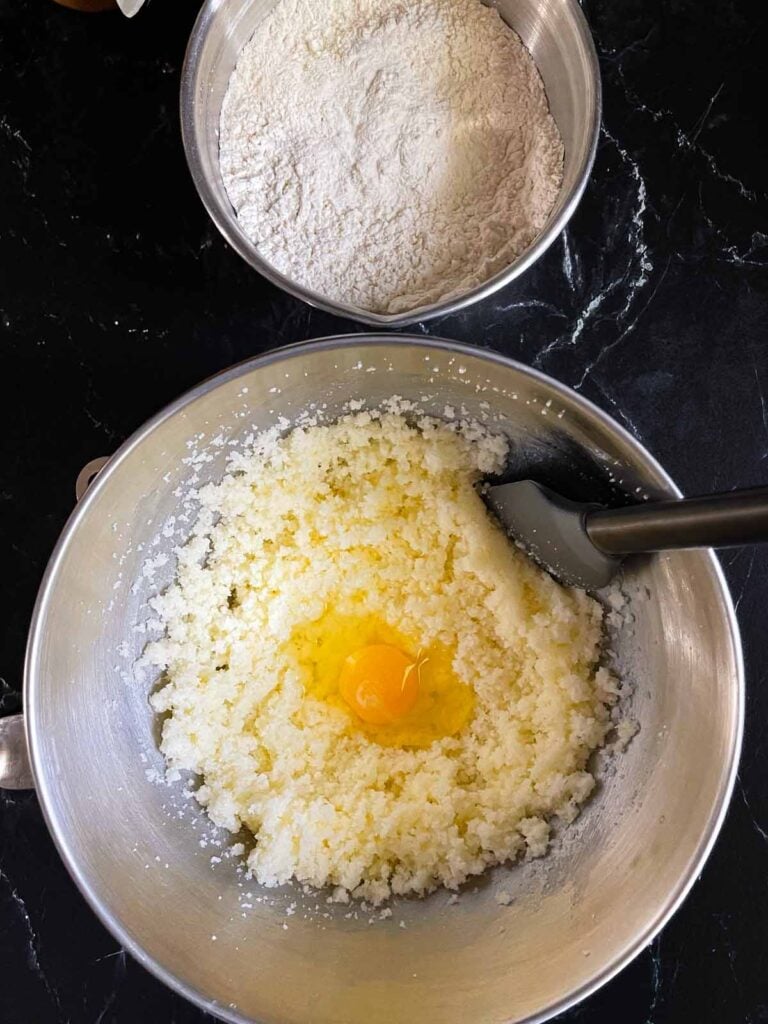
(583, 545)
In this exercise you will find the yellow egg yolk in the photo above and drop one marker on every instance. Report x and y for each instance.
(380, 683)
(394, 691)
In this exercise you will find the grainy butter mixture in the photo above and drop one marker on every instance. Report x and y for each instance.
(388, 154)
(339, 538)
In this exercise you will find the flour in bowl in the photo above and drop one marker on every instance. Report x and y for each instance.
(365, 672)
(388, 154)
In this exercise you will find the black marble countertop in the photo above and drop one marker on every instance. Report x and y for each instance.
(117, 293)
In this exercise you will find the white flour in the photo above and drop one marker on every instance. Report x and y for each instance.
(388, 154)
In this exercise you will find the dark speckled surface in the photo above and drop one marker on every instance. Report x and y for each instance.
(116, 294)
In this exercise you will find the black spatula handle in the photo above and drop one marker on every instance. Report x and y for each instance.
(716, 520)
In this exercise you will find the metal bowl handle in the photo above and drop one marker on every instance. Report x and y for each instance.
(88, 474)
(15, 767)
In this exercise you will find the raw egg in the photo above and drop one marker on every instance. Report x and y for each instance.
(390, 687)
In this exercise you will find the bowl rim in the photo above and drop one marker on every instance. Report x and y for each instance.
(276, 355)
(244, 248)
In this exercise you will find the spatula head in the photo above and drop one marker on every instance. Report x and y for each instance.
(551, 529)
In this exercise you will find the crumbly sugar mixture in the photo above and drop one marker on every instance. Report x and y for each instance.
(371, 530)
(388, 154)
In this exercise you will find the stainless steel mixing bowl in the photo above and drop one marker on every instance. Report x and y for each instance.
(555, 32)
(133, 845)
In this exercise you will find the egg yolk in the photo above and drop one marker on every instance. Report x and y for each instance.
(364, 667)
(380, 683)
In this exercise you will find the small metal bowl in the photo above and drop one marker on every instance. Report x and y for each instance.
(557, 36)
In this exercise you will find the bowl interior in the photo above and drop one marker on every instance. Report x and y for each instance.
(554, 31)
(140, 851)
